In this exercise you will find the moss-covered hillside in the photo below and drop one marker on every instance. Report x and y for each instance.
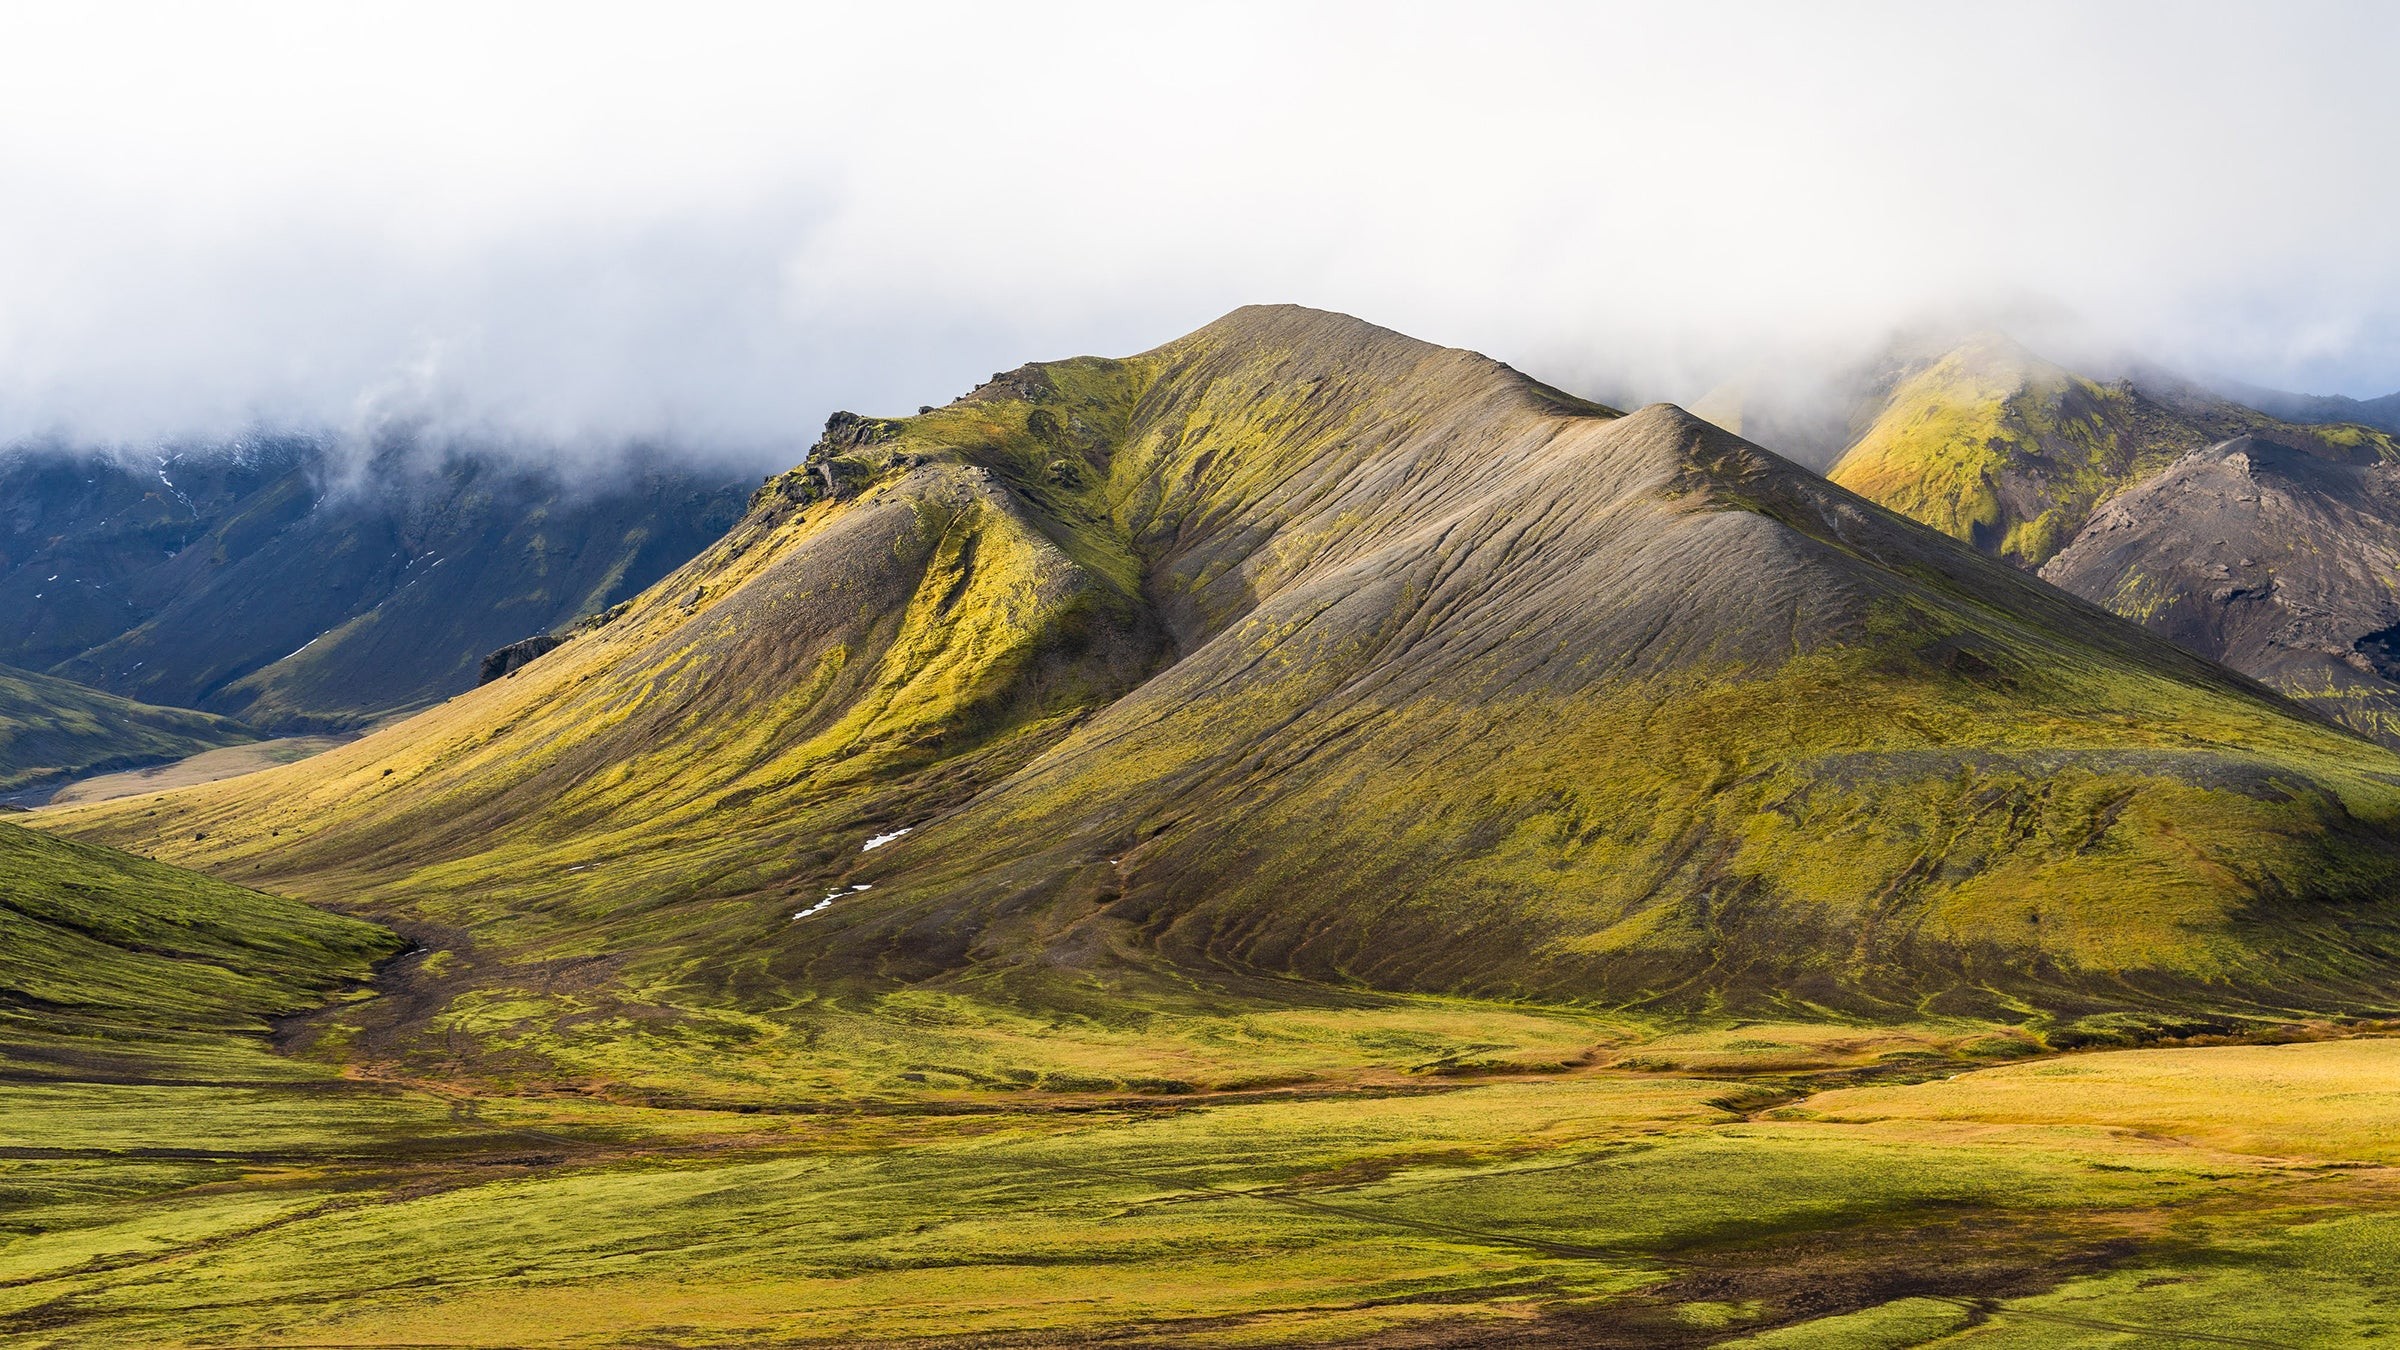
(1989, 443)
(53, 729)
(112, 965)
(1298, 661)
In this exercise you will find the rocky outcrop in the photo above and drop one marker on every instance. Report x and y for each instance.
(508, 660)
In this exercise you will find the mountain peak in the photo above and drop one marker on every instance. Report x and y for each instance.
(1298, 344)
(1295, 648)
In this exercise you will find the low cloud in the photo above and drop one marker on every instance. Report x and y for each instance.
(573, 229)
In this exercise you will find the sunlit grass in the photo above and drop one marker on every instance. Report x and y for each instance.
(1646, 1199)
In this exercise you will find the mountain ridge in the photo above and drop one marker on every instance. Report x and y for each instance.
(2382, 412)
(1297, 659)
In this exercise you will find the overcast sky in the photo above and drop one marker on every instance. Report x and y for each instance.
(712, 225)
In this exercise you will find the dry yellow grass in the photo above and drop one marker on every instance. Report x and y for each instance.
(2331, 1101)
(209, 766)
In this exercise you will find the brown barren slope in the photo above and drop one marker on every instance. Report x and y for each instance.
(2280, 560)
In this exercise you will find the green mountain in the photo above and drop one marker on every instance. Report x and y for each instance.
(1029, 883)
(52, 729)
(1991, 444)
(275, 582)
(1298, 657)
(111, 964)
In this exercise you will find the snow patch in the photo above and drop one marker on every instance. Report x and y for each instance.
(880, 840)
(830, 896)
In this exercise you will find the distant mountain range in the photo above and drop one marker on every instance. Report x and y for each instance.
(2382, 413)
(2280, 560)
(2262, 543)
(1297, 655)
(272, 583)
(1991, 444)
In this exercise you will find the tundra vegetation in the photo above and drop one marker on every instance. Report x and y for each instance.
(1299, 837)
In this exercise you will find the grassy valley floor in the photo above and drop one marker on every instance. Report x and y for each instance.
(2239, 1194)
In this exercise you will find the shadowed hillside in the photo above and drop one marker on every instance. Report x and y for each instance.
(263, 582)
(113, 966)
(52, 729)
(1298, 660)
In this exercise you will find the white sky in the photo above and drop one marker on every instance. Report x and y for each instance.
(581, 224)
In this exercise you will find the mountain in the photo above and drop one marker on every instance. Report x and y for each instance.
(1989, 443)
(2281, 561)
(271, 582)
(1297, 660)
(2251, 541)
(2381, 413)
(114, 964)
(52, 729)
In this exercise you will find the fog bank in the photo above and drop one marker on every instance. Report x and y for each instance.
(570, 228)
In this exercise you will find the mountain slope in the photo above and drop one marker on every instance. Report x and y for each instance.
(1300, 660)
(260, 582)
(52, 729)
(1991, 444)
(110, 963)
(2283, 563)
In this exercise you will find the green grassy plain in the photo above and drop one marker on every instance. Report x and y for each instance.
(1607, 1206)
(934, 1169)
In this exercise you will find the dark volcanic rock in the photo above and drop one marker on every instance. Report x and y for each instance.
(508, 660)
(849, 431)
(2283, 563)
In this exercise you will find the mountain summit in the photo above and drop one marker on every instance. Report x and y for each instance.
(1297, 655)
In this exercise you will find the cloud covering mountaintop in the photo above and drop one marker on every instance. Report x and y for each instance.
(577, 227)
